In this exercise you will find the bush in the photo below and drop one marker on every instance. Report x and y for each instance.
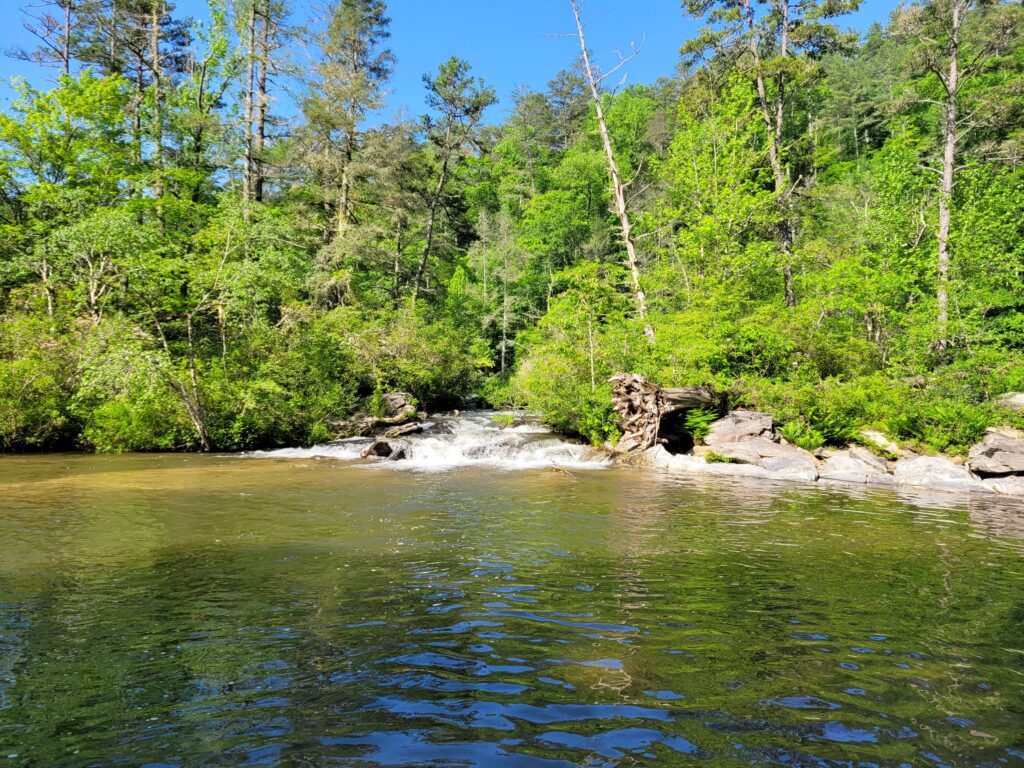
(697, 422)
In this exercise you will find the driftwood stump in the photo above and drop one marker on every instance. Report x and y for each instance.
(641, 404)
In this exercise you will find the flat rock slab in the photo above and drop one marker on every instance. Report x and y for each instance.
(937, 472)
(738, 426)
(997, 454)
(856, 466)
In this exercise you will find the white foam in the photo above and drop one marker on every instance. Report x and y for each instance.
(475, 439)
(345, 450)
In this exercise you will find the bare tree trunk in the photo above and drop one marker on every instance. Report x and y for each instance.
(952, 86)
(250, 90)
(504, 311)
(773, 115)
(618, 189)
(435, 203)
(262, 107)
(396, 273)
(158, 117)
(66, 47)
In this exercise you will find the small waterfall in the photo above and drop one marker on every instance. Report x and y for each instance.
(477, 438)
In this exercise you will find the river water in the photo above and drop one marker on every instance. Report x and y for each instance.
(526, 605)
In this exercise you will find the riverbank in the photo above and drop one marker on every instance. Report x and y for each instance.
(746, 444)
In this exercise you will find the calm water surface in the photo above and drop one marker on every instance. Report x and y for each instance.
(194, 611)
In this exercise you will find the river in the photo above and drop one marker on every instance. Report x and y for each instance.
(500, 599)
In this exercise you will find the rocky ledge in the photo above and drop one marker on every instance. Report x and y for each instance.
(746, 444)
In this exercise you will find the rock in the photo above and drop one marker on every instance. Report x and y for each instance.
(413, 428)
(379, 448)
(738, 426)
(1012, 401)
(398, 454)
(997, 454)
(937, 472)
(794, 467)
(880, 441)
(658, 457)
(754, 451)
(856, 465)
(1012, 485)
(397, 404)
(698, 465)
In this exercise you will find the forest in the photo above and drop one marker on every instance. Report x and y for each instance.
(828, 226)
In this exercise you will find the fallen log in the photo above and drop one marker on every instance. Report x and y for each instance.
(641, 404)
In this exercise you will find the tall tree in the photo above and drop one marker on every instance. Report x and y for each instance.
(937, 30)
(351, 71)
(264, 34)
(55, 24)
(776, 45)
(459, 101)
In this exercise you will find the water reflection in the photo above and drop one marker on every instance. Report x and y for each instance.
(299, 614)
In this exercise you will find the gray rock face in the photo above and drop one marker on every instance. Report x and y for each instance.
(1012, 485)
(792, 467)
(997, 454)
(1011, 400)
(937, 472)
(856, 465)
(755, 451)
(738, 426)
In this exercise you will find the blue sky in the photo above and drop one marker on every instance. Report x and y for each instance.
(508, 43)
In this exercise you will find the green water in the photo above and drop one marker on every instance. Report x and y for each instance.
(193, 611)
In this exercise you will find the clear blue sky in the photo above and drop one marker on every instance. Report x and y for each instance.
(508, 43)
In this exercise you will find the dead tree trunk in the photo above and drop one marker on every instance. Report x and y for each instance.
(618, 188)
(641, 404)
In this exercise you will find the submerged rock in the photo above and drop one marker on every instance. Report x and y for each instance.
(739, 426)
(379, 448)
(856, 465)
(997, 454)
(937, 472)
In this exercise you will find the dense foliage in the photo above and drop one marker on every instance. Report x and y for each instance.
(183, 267)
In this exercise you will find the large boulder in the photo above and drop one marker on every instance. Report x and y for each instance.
(856, 465)
(937, 472)
(997, 454)
(1013, 401)
(738, 426)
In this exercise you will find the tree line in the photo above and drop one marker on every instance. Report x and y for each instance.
(207, 243)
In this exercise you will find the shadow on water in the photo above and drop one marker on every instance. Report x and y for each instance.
(306, 613)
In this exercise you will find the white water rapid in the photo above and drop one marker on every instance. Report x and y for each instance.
(475, 438)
